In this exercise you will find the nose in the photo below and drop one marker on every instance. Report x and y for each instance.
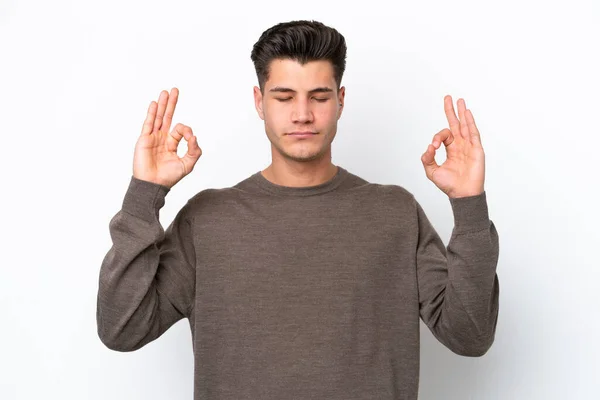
(302, 112)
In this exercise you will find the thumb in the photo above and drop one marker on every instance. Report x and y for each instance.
(192, 155)
(429, 163)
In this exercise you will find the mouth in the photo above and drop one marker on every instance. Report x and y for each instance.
(303, 134)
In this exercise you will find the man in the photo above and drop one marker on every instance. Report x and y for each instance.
(303, 281)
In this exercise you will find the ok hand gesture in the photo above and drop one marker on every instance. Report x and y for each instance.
(463, 172)
(155, 159)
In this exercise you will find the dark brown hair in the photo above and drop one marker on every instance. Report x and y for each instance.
(302, 41)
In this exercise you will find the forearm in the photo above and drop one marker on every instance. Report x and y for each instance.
(465, 311)
(467, 321)
(132, 308)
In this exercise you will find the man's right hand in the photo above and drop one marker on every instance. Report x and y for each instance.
(155, 159)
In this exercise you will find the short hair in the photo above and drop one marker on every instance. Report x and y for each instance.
(301, 41)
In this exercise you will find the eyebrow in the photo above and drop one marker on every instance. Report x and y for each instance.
(281, 89)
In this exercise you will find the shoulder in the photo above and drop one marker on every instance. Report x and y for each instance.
(391, 196)
(214, 196)
(384, 192)
(392, 191)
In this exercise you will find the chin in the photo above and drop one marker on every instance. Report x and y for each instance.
(303, 156)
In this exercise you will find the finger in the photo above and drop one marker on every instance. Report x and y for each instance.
(464, 129)
(473, 131)
(149, 122)
(192, 155)
(453, 122)
(166, 124)
(162, 105)
(444, 136)
(428, 160)
(179, 131)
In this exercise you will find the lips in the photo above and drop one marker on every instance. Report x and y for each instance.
(302, 134)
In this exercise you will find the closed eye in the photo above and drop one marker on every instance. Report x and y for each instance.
(320, 100)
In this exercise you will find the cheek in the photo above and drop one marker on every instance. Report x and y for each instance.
(276, 118)
(326, 115)
(276, 121)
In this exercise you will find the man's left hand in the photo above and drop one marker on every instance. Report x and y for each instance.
(463, 172)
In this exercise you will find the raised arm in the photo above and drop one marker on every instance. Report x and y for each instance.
(147, 277)
(458, 284)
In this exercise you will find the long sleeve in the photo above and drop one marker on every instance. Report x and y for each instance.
(458, 284)
(147, 278)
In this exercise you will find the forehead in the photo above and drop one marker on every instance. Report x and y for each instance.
(290, 73)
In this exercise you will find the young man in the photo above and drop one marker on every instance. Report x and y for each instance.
(303, 281)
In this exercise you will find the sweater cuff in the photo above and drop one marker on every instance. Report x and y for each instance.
(470, 213)
(144, 199)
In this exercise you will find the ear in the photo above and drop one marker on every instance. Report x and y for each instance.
(341, 97)
(258, 102)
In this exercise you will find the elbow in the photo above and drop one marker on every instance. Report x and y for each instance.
(466, 340)
(116, 339)
(114, 342)
(473, 348)
(478, 337)
(465, 345)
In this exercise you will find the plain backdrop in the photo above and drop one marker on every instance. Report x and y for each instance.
(76, 78)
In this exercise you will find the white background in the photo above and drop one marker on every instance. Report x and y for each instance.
(76, 78)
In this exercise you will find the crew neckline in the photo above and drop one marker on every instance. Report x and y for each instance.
(266, 185)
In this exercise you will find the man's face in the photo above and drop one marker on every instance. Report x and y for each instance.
(300, 98)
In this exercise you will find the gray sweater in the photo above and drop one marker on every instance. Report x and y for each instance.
(300, 292)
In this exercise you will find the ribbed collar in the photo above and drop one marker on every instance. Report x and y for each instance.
(264, 184)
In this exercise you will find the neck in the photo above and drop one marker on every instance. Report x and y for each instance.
(300, 174)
